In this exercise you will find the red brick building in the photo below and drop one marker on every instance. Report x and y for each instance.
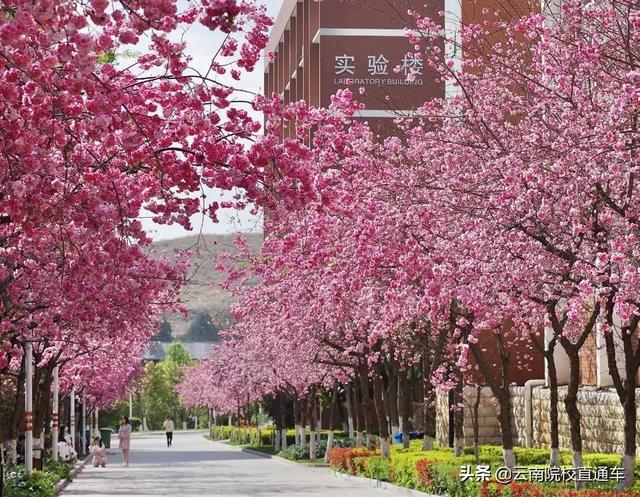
(321, 47)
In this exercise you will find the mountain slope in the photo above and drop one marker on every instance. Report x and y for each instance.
(203, 293)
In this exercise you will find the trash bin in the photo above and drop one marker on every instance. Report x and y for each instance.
(105, 434)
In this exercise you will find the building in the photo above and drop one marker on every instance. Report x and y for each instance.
(321, 47)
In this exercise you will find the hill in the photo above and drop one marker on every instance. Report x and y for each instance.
(203, 295)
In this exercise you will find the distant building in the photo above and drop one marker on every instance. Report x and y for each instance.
(197, 350)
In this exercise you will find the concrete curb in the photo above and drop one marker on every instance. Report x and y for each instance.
(270, 456)
(383, 485)
(62, 484)
(256, 453)
(283, 459)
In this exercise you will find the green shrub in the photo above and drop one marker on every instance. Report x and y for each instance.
(358, 467)
(377, 467)
(532, 457)
(223, 432)
(344, 442)
(489, 454)
(136, 423)
(404, 470)
(445, 480)
(37, 484)
(295, 452)
(298, 452)
(596, 460)
(266, 436)
(61, 470)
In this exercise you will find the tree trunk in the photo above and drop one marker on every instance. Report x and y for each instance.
(548, 353)
(277, 435)
(311, 412)
(283, 421)
(383, 426)
(428, 407)
(458, 420)
(319, 421)
(554, 460)
(296, 420)
(501, 393)
(349, 403)
(43, 378)
(392, 396)
(11, 451)
(359, 414)
(277, 440)
(572, 350)
(303, 424)
(367, 406)
(332, 420)
(475, 420)
(571, 405)
(406, 406)
(504, 418)
(625, 388)
(630, 416)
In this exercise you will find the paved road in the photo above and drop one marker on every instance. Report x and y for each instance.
(196, 467)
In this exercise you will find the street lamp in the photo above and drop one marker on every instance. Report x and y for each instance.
(55, 416)
(28, 408)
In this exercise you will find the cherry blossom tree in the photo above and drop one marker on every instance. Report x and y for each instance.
(91, 142)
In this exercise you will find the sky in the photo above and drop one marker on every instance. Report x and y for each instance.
(201, 45)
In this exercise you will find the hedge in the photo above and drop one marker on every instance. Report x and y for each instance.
(38, 483)
(437, 471)
(248, 436)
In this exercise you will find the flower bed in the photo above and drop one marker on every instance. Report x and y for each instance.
(438, 471)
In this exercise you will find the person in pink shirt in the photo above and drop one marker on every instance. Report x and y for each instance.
(124, 436)
(99, 453)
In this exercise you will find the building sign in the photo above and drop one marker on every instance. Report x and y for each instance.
(384, 66)
(345, 64)
(411, 68)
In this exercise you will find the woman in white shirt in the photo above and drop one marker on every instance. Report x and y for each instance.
(66, 452)
(168, 428)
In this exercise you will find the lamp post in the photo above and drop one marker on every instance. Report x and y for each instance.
(84, 422)
(55, 416)
(72, 418)
(28, 408)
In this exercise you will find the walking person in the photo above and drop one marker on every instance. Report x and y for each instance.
(168, 428)
(124, 437)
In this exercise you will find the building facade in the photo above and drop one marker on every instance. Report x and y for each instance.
(318, 48)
